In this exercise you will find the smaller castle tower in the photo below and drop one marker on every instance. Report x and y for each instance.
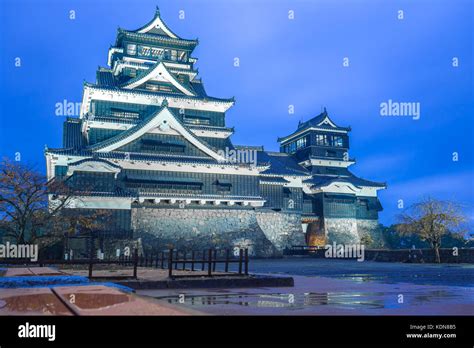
(337, 205)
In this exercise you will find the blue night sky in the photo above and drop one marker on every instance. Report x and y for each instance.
(282, 62)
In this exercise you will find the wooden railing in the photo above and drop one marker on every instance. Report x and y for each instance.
(204, 263)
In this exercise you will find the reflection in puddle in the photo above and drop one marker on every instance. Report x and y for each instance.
(95, 300)
(275, 300)
(31, 304)
(347, 300)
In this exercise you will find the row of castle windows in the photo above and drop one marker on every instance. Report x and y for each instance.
(320, 140)
(329, 140)
(156, 52)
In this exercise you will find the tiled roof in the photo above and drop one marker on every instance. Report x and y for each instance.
(324, 180)
(198, 87)
(281, 164)
(72, 135)
(153, 38)
(94, 160)
(315, 122)
(119, 192)
(125, 133)
(273, 179)
(161, 93)
(105, 78)
(210, 128)
(140, 74)
(213, 143)
(114, 155)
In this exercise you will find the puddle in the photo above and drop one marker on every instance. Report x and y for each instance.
(94, 300)
(345, 300)
(36, 303)
(278, 300)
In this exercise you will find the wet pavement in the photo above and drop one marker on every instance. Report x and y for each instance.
(82, 300)
(386, 272)
(45, 291)
(326, 296)
(341, 287)
(27, 301)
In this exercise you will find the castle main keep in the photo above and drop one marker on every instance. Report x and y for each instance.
(152, 148)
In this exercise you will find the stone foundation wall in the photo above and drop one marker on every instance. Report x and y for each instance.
(281, 229)
(351, 231)
(264, 233)
(341, 231)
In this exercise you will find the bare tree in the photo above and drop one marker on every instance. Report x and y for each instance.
(33, 208)
(431, 219)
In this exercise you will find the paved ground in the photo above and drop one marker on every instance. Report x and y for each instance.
(81, 299)
(32, 271)
(327, 296)
(143, 273)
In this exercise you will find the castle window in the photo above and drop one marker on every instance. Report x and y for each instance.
(157, 145)
(196, 120)
(364, 203)
(223, 186)
(322, 139)
(330, 153)
(144, 51)
(182, 185)
(161, 88)
(337, 141)
(174, 55)
(157, 52)
(291, 147)
(300, 143)
(124, 113)
(131, 49)
(286, 192)
(182, 56)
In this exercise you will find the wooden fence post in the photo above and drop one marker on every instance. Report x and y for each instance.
(170, 263)
(203, 260)
(209, 263)
(135, 262)
(91, 260)
(241, 254)
(215, 261)
(176, 260)
(192, 260)
(162, 259)
(246, 261)
(227, 260)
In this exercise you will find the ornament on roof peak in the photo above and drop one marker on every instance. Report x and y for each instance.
(164, 103)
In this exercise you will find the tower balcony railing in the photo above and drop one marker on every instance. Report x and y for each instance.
(332, 158)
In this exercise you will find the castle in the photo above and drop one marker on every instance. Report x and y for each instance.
(152, 148)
